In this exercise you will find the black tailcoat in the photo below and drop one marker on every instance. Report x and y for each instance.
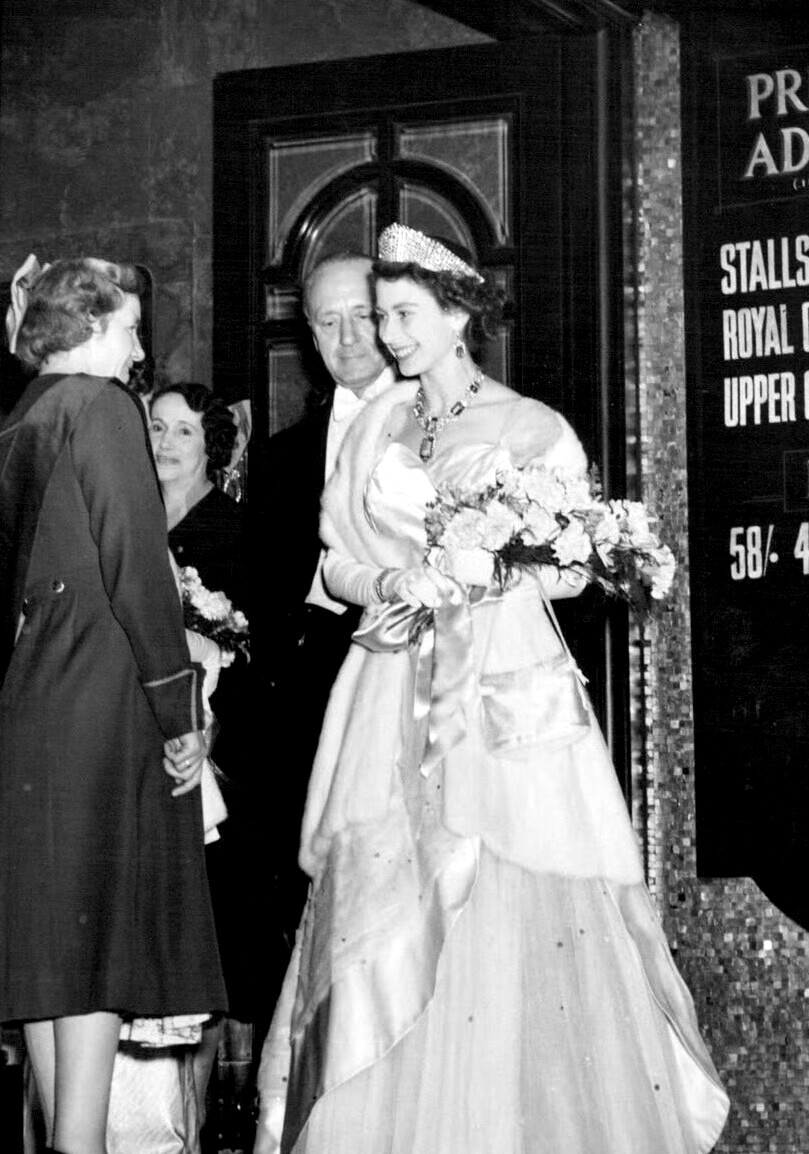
(307, 644)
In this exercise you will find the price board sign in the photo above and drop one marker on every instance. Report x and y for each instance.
(749, 470)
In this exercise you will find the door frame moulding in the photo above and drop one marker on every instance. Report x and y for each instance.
(516, 19)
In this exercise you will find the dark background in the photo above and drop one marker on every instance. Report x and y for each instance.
(750, 635)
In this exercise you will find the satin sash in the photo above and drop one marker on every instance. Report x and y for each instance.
(445, 673)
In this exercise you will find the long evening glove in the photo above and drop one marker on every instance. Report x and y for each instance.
(355, 581)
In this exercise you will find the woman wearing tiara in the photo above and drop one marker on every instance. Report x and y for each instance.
(479, 969)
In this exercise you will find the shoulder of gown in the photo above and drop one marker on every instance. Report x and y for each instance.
(534, 431)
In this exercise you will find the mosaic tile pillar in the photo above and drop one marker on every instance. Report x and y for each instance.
(747, 965)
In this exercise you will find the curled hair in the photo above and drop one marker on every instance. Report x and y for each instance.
(65, 300)
(484, 300)
(218, 422)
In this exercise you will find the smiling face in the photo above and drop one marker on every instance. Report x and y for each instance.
(114, 345)
(178, 441)
(417, 331)
(338, 306)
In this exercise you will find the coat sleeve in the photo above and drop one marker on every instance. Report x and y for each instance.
(113, 465)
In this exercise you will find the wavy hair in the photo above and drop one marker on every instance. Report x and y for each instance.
(218, 422)
(65, 300)
(484, 300)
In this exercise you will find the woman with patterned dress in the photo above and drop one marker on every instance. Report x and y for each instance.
(480, 969)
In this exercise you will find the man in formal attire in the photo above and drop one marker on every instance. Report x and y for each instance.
(312, 631)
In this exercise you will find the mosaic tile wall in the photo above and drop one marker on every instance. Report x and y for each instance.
(746, 964)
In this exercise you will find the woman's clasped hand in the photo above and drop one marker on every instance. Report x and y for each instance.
(183, 759)
(420, 585)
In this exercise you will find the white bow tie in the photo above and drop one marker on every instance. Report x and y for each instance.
(346, 404)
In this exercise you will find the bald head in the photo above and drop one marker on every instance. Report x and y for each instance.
(337, 303)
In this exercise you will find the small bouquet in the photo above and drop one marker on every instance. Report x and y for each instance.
(539, 516)
(213, 615)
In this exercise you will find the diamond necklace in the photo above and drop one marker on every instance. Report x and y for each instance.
(432, 426)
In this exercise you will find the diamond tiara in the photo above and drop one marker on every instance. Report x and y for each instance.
(402, 245)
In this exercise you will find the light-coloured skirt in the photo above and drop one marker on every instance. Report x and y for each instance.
(481, 967)
(559, 1025)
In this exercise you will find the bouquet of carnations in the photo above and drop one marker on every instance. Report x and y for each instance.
(533, 516)
(213, 615)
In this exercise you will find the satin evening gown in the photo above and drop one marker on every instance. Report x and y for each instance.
(480, 969)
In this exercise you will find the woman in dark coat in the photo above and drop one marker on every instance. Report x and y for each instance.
(104, 906)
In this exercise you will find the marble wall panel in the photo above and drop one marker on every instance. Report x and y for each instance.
(106, 126)
(67, 167)
(77, 52)
(179, 163)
